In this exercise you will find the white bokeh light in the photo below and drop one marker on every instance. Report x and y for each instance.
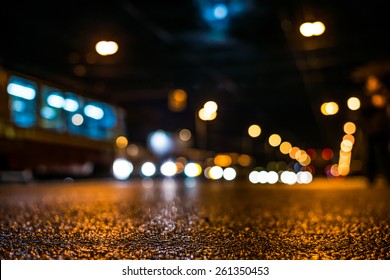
(192, 169)
(148, 169)
(122, 169)
(168, 169)
(288, 177)
(253, 177)
(105, 48)
(77, 119)
(229, 173)
(304, 177)
(272, 177)
(262, 177)
(215, 172)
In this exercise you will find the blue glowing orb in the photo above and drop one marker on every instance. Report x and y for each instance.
(220, 11)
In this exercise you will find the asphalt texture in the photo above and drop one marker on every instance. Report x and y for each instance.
(177, 219)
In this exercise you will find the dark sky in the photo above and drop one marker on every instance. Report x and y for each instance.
(255, 65)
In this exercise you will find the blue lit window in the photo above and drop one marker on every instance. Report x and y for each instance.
(110, 118)
(74, 114)
(100, 120)
(93, 112)
(22, 101)
(109, 121)
(51, 112)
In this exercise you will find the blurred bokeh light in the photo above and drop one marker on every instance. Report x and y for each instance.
(105, 48)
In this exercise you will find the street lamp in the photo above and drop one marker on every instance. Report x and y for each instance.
(207, 113)
(309, 29)
(353, 103)
(253, 132)
(329, 108)
(106, 48)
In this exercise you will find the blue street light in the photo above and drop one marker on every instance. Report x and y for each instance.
(220, 11)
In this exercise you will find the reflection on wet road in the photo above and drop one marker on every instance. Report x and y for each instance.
(178, 219)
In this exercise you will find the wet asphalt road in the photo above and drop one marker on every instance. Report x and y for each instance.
(173, 219)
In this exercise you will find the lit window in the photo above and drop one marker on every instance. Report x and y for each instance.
(22, 95)
(20, 90)
(48, 113)
(109, 119)
(100, 120)
(51, 112)
(74, 114)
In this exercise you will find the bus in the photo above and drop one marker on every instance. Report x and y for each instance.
(47, 130)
